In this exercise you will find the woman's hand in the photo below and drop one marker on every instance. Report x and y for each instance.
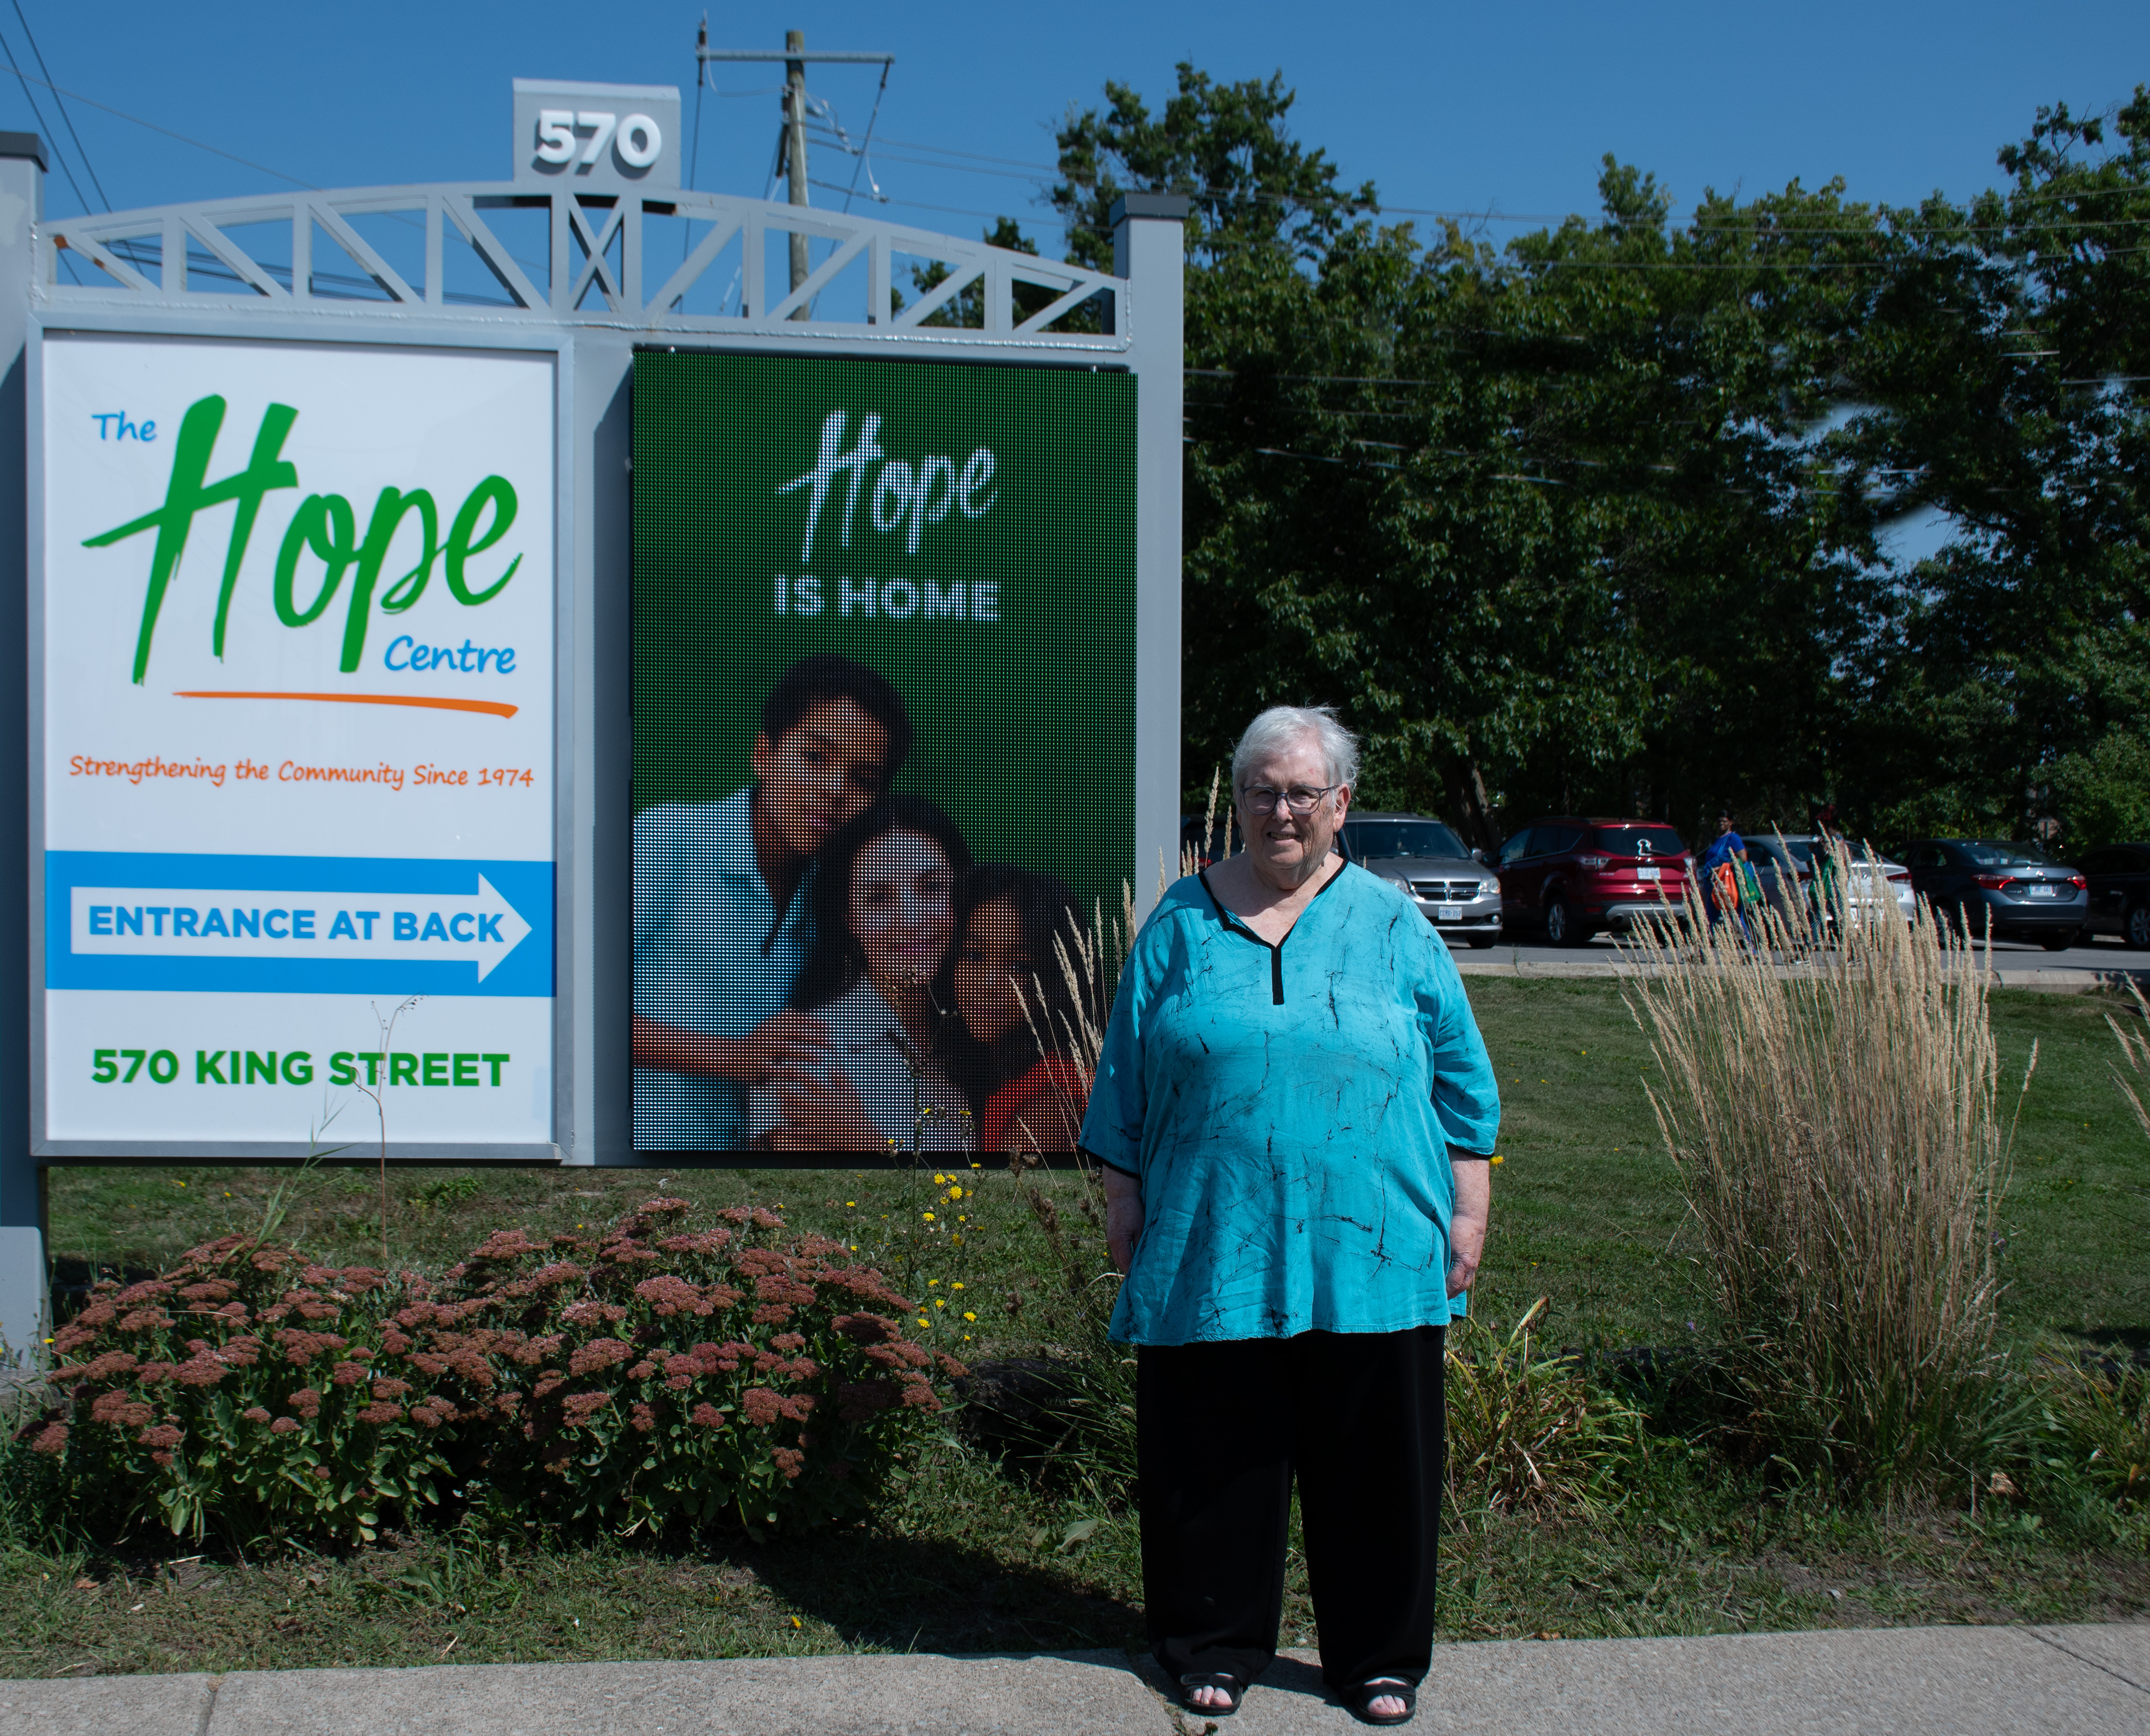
(783, 1038)
(1124, 1216)
(820, 1113)
(1466, 1227)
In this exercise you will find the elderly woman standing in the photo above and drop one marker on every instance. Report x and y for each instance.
(1294, 1110)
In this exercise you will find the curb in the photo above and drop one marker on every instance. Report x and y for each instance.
(2078, 1680)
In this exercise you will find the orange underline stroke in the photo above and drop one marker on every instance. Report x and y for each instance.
(492, 707)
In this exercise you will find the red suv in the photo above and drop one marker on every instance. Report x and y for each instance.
(1573, 877)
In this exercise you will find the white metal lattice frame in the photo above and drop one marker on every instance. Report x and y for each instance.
(584, 230)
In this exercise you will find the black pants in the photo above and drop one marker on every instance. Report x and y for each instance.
(1222, 1429)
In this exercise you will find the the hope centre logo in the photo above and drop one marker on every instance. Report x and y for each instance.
(902, 496)
(325, 526)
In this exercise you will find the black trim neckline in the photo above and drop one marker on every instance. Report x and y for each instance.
(1233, 925)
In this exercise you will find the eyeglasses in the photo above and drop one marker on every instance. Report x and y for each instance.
(1299, 801)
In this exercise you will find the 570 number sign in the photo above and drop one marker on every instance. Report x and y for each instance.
(637, 138)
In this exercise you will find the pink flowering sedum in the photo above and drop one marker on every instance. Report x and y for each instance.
(658, 1373)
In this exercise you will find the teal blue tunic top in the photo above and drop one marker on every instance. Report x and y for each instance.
(1289, 1111)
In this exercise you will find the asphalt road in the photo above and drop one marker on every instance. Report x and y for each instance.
(2105, 952)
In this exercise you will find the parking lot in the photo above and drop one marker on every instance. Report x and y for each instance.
(2104, 953)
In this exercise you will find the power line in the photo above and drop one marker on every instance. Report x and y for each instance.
(43, 126)
(1019, 168)
(107, 108)
(88, 168)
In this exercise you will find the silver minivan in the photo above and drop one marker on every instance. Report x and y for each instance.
(1453, 890)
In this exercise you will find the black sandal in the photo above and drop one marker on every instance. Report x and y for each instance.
(1359, 1698)
(1230, 1684)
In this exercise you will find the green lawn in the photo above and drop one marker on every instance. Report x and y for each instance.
(969, 1558)
(1586, 1209)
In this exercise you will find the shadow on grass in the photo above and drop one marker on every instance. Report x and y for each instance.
(2115, 1344)
(931, 1594)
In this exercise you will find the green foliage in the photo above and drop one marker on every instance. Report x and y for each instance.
(645, 1376)
(1526, 1431)
(1091, 1434)
(2097, 1416)
(1226, 146)
(2105, 792)
(248, 1392)
(2004, 362)
(449, 1190)
(667, 1375)
(1600, 519)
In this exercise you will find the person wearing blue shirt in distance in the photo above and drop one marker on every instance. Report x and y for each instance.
(1295, 1113)
(1720, 873)
(723, 904)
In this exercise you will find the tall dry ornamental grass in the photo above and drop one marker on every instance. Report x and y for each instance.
(1837, 1131)
(2135, 1050)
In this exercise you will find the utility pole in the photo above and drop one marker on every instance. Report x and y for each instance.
(795, 55)
(795, 150)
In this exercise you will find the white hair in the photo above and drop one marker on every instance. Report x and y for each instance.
(1284, 727)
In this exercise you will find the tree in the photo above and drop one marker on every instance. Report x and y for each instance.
(1226, 146)
(2007, 362)
(1599, 519)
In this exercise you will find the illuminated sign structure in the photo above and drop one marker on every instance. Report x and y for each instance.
(933, 564)
(390, 563)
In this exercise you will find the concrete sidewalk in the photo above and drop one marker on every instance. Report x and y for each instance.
(2005, 1680)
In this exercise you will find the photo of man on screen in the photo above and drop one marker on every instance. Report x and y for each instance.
(724, 904)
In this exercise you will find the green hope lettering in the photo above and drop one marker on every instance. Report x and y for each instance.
(325, 524)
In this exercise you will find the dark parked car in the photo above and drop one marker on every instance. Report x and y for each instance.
(1453, 891)
(1572, 876)
(2018, 889)
(2119, 877)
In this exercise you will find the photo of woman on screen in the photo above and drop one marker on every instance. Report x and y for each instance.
(1018, 1009)
(884, 924)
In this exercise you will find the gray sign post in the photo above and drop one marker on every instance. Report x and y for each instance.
(22, 1201)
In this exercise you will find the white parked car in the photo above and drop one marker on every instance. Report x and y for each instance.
(1877, 882)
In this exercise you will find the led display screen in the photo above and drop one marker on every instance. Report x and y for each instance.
(884, 746)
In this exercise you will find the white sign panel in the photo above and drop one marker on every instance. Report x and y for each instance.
(298, 666)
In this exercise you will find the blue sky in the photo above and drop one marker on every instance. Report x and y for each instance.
(1502, 109)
